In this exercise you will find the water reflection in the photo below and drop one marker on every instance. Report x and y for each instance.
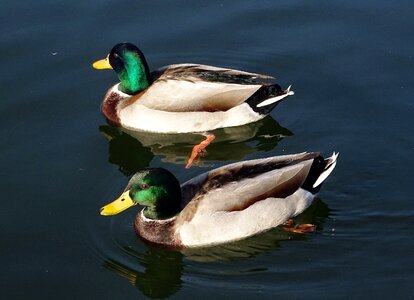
(161, 277)
(157, 272)
(132, 150)
(125, 151)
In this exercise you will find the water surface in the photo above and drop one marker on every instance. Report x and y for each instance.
(351, 67)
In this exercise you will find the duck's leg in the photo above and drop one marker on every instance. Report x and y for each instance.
(290, 226)
(199, 149)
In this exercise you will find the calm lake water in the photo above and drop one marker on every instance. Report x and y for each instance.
(351, 66)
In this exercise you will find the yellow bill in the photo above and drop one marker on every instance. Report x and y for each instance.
(102, 64)
(122, 203)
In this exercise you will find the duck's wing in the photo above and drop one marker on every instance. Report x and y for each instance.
(192, 87)
(197, 72)
(238, 186)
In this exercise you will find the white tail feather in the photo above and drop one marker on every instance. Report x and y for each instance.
(288, 91)
(330, 165)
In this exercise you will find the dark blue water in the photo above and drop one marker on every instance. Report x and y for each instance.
(351, 67)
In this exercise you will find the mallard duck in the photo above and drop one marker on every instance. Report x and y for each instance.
(226, 204)
(183, 98)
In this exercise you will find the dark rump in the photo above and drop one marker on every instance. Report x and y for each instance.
(265, 92)
(318, 166)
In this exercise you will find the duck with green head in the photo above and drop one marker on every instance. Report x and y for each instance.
(183, 98)
(226, 204)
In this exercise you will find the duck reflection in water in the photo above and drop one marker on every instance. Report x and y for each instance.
(157, 272)
(133, 151)
(161, 277)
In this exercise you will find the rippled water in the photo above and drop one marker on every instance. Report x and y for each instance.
(351, 67)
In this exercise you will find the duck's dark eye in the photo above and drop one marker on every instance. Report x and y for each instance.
(144, 186)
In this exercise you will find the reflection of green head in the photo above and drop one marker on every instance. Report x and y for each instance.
(162, 275)
(123, 150)
(132, 68)
(158, 189)
(163, 270)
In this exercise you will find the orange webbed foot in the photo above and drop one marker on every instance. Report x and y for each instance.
(199, 150)
(290, 226)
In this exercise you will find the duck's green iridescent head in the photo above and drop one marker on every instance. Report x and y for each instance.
(130, 65)
(156, 188)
